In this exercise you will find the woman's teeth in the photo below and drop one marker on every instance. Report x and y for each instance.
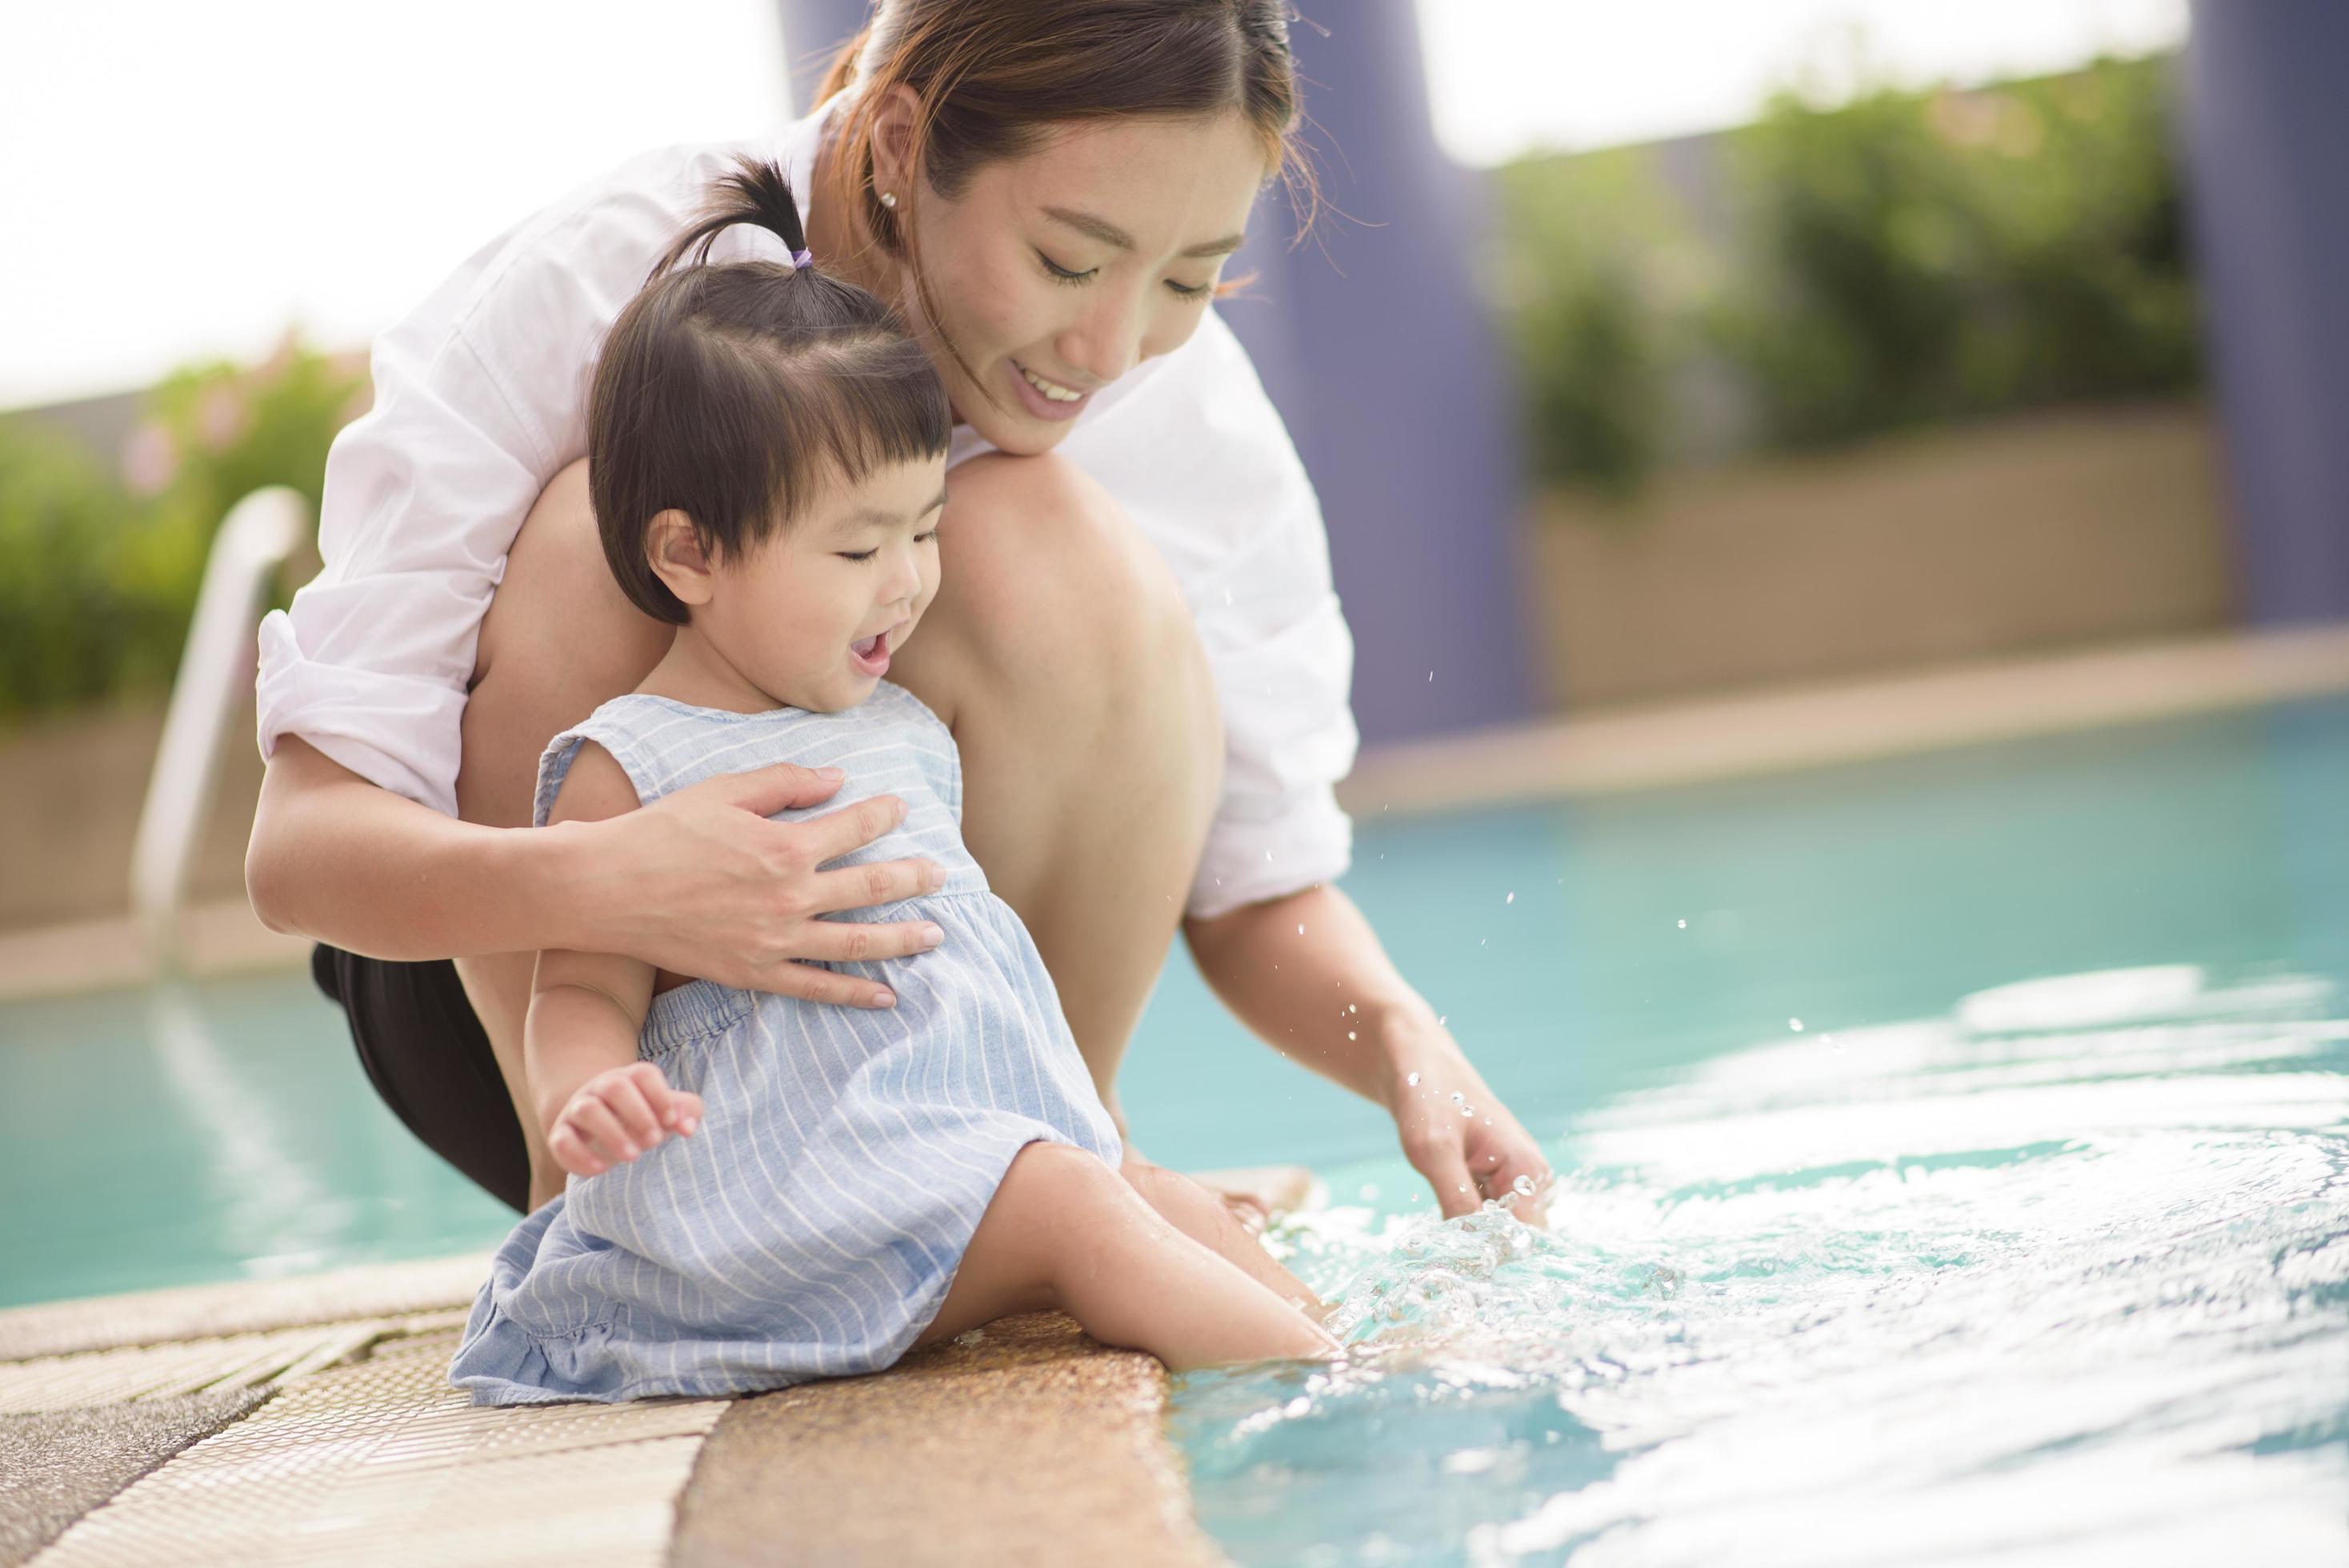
(1051, 389)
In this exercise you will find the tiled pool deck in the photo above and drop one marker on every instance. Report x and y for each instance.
(310, 1420)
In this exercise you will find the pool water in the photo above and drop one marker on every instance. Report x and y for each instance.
(1965, 1265)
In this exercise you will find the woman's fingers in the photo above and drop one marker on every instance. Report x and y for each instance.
(780, 787)
(862, 942)
(861, 887)
(812, 984)
(1445, 1165)
(836, 833)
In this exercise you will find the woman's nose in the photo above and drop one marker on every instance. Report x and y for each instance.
(1106, 341)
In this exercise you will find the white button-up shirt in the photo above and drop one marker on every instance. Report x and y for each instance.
(481, 397)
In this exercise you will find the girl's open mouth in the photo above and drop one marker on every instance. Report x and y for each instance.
(872, 653)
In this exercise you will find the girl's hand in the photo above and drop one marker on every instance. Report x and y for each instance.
(700, 884)
(1458, 1135)
(617, 1115)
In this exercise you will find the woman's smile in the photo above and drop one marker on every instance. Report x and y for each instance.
(1045, 397)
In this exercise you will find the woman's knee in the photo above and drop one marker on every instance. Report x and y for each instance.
(1042, 561)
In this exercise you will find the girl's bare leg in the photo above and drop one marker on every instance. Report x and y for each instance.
(1206, 1217)
(1065, 1231)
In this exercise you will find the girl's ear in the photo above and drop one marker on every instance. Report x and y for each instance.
(893, 141)
(673, 549)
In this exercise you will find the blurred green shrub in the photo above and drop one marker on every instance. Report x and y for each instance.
(1924, 256)
(100, 570)
(1589, 326)
(1901, 258)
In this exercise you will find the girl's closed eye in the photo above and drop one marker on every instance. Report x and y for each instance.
(856, 555)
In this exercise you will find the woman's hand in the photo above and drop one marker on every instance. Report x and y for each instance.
(616, 1116)
(699, 883)
(1458, 1133)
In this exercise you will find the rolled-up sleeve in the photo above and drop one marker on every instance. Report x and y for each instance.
(480, 400)
(1200, 457)
(424, 496)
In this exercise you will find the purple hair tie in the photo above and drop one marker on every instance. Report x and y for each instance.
(800, 259)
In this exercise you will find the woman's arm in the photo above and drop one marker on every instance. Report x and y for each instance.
(699, 883)
(1307, 974)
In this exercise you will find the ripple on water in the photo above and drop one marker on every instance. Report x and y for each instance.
(2067, 1271)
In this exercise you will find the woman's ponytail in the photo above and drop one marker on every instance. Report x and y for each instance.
(753, 191)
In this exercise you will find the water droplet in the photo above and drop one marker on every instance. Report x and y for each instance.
(1468, 1111)
(1796, 1025)
(1684, 925)
(1523, 1186)
(1228, 595)
(1440, 1018)
(1459, 1098)
(1431, 674)
(1268, 854)
(1511, 899)
(1349, 1033)
(1351, 1008)
(1411, 1081)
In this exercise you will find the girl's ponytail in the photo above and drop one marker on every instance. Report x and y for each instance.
(753, 191)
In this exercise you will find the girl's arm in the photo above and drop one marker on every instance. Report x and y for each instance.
(1326, 996)
(597, 1102)
(697, 883)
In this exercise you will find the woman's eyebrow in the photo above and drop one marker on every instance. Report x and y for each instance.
(1108, 233)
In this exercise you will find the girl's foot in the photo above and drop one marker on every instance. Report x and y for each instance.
(1256, 1195)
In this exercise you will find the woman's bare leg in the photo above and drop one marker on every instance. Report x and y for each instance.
(1065, 1231)
(1061, 654)
(559, 639)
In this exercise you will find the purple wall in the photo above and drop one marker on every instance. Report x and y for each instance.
(2267, 127)
(1373, 343)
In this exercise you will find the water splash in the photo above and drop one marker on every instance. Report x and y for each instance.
(2071, 1265)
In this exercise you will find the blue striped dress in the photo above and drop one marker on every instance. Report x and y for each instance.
(813, 1225)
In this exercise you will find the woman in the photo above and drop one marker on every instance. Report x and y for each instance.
(1139, 645)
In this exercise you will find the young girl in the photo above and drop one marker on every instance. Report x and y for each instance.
(764, 1190)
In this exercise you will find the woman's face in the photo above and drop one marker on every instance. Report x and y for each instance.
(1055, 274)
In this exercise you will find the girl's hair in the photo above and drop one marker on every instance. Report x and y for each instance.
(994, 76)
(736, 393)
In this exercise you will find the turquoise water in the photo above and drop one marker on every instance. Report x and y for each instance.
(1966, 1265)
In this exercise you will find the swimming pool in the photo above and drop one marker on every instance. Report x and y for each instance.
(2057, 1264)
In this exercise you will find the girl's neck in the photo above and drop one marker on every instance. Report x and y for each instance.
(695, 674)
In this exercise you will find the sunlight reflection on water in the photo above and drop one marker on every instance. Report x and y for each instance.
(2063, 1275)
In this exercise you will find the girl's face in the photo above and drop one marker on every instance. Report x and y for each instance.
(1056, 273)
(812, 616)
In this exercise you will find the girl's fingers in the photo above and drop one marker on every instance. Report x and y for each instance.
(685, 1112)
(593, 1121)
(625, 1098)
(571, 1152)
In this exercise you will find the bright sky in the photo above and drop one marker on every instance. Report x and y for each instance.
(179, 181)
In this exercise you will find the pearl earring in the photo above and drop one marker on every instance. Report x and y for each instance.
(889, 200)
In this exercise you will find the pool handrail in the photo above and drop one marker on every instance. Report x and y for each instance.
(216, 672)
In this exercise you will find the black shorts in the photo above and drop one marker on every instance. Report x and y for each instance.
(429, 1059)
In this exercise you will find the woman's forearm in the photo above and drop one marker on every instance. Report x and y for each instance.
(1308, 975)
(336, 859)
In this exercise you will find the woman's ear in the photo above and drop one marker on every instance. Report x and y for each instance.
(893, 140)
(673, 549)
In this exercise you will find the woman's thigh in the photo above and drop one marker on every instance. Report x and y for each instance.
(1061, 653)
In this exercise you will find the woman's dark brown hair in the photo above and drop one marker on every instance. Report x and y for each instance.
(737, 392)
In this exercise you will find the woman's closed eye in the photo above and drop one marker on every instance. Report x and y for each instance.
(1060, 274)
